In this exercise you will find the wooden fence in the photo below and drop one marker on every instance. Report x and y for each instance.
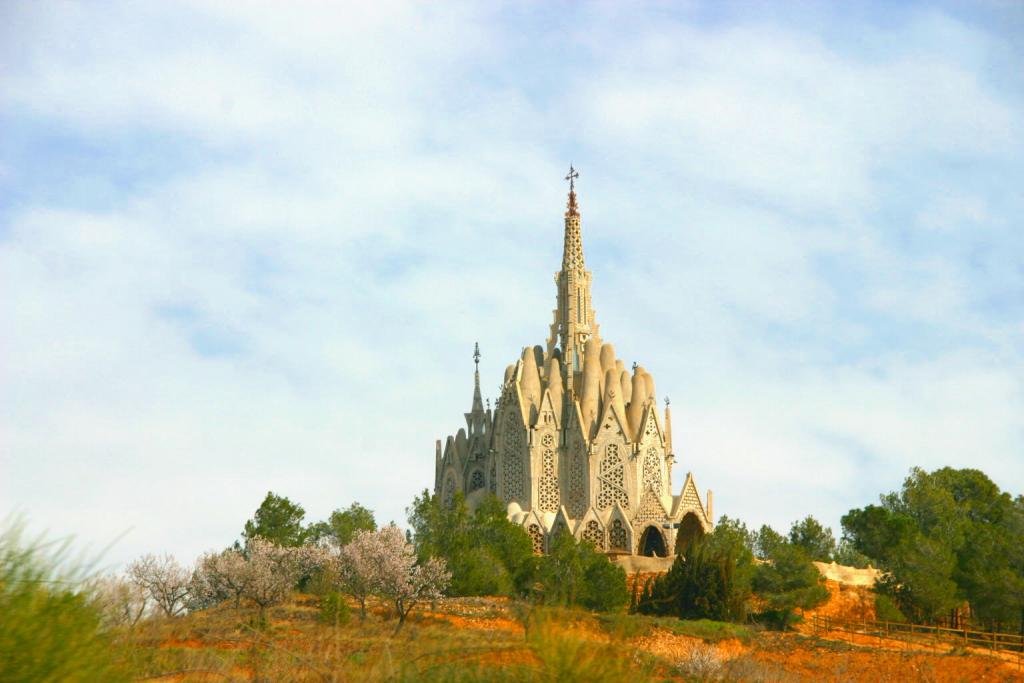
(1008, 646)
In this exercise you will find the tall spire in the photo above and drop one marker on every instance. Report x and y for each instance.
(574, 317)
(478, 404)
(572, 252)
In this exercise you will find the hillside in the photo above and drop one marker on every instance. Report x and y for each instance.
(484, 639)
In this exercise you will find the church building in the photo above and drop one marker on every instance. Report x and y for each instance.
(576, 441)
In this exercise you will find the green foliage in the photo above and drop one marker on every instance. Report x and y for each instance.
(278, 520)
(49, 630)
(333, 609)
(946, 537)
(486, 553)
(849, 556)
(711, 579)
(817, 541)
(574, 573)
(766, 540)
(786, 581)
(342, 525)
(887, 610)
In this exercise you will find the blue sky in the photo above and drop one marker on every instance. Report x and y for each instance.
(249, 247)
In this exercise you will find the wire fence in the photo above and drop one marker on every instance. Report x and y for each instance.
(893, 634)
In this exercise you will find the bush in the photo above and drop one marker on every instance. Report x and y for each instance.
(710, 580)
(574, 573)
(50, 628)
(886, 609)
(333, 609)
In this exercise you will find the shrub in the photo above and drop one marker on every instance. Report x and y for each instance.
(333, 609)
(50, 628)
(573, 573)
(710, 580)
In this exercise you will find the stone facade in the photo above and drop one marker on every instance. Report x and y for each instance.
(576, 441)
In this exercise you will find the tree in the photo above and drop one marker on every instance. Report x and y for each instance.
(270, 573)
(485, 552)
(946, 537)
(848, 555)
(342, 525)
(765, 540)
(403, 580)
(120, 602)
(787, 581)
(218, 577)
(278, 520)
(817, 541)
(163, 580)
(358, 569)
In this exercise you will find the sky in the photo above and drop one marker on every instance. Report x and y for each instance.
(248, 247)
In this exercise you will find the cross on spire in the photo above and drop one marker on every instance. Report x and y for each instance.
(573, 175)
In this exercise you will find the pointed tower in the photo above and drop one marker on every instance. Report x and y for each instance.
(476, 418)
(574, 321)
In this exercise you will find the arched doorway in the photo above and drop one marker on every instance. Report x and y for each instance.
(690, 530)
(652, 543)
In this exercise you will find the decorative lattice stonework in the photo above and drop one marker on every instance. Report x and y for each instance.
(493, 483)
(652, 470)
(536, 538)
(650, 509)
(513, 459)
(449, 489)
(650, 430)
(594, 534)
(690, 498)
(617, 537)
(612, 480)
(548, 484)
(476, 480)
(577, 489)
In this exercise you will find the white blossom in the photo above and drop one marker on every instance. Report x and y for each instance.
(121, 602)
(163, 581)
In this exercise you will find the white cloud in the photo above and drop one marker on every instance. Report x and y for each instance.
(338, 200)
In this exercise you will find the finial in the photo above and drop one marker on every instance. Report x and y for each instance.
(573, 209)
(667, 402)
(635, 366)
(573, 175)
(476, 353)
(488, 404)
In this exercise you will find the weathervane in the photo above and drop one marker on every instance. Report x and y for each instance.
(573, 175)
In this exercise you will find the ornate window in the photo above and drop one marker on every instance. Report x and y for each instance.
(612, 480)
(617, 536)
(476, 480)
(548, 485)
(652, 471)
(537, 538)
(594, 534)
(449, 489)
(513, 458)
(577, 489)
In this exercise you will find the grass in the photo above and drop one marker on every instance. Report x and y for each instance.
(634, 625)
